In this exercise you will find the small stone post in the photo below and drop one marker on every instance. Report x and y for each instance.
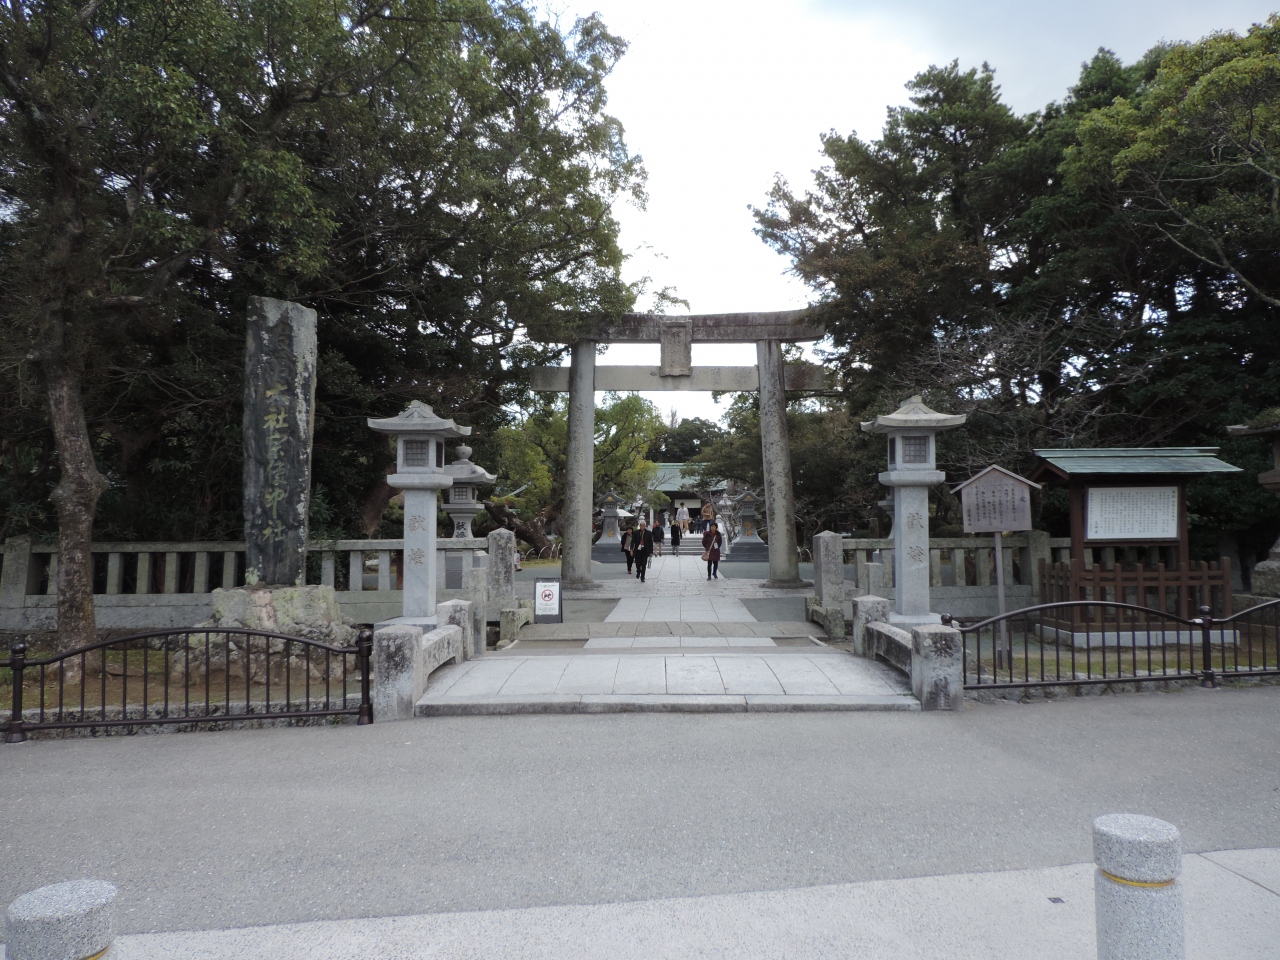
(1137, 896)
(279, 419)
(827, 605)
(64, 921)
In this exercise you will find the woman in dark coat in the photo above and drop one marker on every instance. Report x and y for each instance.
(711, 543)
(675, 539)
(626, 548)
(642, 547)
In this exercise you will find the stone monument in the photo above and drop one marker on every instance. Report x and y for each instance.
(279, 418)
(912, 430)
(463, 505)
(420, 472)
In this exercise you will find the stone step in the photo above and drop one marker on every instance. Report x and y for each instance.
(674, 628)
(430, 706)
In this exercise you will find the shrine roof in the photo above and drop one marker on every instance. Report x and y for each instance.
(1102, 461)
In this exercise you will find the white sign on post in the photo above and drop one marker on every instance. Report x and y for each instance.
(546, 602)
(1131, 513)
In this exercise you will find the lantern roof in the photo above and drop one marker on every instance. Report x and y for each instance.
(464, 471)
(913, 415)
(418, 417)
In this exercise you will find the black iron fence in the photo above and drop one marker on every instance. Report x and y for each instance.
(186, 677)
(1098, 642)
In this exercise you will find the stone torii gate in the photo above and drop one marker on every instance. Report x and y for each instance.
(768, 331)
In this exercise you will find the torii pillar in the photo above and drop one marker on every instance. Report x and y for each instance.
(771, 377)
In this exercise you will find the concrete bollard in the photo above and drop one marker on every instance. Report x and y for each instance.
(75, 920)
(1137, 897)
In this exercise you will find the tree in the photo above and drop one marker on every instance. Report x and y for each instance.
(430, 174)
(1196, 153)
(532, 456)
(683, 441)
(1057, 276)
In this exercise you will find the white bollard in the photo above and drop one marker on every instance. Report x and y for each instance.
(1137, 896)
(75, 920)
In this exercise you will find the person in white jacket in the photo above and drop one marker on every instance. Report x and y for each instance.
(682, 518)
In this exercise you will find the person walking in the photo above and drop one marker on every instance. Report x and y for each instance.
(627, 537)
(676, 534)
(642, 547)
(682, 518)
(708, 514)
(711, 543)
(659, 535)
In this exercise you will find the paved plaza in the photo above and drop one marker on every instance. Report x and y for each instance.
(800, 835)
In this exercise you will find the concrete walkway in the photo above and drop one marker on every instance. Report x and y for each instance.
(1232, 897)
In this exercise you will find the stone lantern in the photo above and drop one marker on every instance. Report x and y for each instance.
(912, 430)
(463, 504)
(420, 472)
(747, 545)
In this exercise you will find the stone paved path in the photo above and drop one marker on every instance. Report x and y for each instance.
(727, 661)
(639, 678)
(678, 578)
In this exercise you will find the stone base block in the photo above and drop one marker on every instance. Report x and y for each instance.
(753, 550)
(1265, 579)
(64, 920)
(831, 618)
(310, 612)
(512, 619)
(404, 654)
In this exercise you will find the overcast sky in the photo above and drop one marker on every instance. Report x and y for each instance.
(719, 97)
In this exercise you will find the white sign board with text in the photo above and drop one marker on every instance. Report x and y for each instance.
(1131, 513)
(546, 602)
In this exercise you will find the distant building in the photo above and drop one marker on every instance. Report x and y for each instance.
(675, 480)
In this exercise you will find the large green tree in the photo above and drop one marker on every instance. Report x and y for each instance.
(431, 175)
(1100, 272)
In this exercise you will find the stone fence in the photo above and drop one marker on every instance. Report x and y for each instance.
(962, 579)
(153, 586)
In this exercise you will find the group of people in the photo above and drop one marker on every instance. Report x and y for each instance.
(641, 543)
(701, 523)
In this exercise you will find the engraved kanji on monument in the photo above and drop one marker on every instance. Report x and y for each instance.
(279, 419)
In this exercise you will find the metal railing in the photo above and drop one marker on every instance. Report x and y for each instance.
(1098, 642)
(186, 677)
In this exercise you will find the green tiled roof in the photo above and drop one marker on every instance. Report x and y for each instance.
(676, 476)
(1136, 460)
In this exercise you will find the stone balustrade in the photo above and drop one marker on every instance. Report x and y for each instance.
(158, 585)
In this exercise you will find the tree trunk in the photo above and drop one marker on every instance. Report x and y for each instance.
(75, 499)
(530, 533)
